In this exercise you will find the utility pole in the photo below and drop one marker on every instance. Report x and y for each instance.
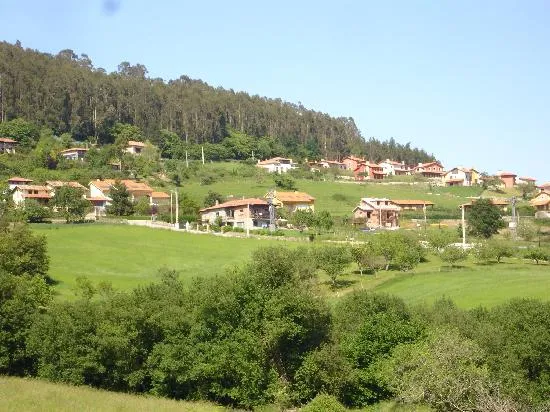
(425, 219)
(514, 223)
(463, 228)
(186, 161)
(171, 208)
(177, 211)
(202, 151)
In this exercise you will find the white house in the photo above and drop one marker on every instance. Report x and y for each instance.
(393, 168)
(134, 147)
(7, 145)
(276, 165)
(39, 193)
(244, 213)
(75, 153)
(461, 176)
(15, 181)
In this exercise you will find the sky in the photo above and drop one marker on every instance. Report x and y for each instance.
(465, 80)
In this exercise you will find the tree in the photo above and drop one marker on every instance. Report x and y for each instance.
(26, 133)
(492, 250)
(142, 207)
(484, 218)
(303, 218)
(34, 212)
(439, 239)
(71, 203)
(212, 198)
(367, 257)
(527, 230)
(121, 203)
(333, 260)
(537, 254)
(400, 250)
(453, 254)
(284, 182)
(22, 252)
(323, 220)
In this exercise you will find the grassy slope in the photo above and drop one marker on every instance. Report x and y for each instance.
(128, 256)
(18, 394)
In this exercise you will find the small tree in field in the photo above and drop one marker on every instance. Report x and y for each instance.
(537, 254)
(34, 212)
(484, 219)
(453, 254)
(121, 204)
(367, 257)
(71, 203)
(333, 260)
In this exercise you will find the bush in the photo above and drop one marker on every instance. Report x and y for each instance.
(35, 212)
(453, 254)
(324, 403)
(284, 182)
(537, 254)
(490, 251)
(227, 228)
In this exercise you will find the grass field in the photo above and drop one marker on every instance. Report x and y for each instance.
(32, 395)
(129, 256)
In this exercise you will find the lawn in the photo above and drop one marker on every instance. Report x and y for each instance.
(17, 394)
(128, 256)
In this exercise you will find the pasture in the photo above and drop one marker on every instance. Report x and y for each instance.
(129, 256)
(33, 395)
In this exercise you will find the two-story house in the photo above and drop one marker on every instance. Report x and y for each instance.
(36, 192)
(508, 179)
(461, 176)
(276, 165)
(74, 153)
(431, 170)
(368, 170)
(292, 201)
(134, 147)
(376, 213)
(541, 202)
(15, 181)
(393, 168)
(351, 162)
(243, 213)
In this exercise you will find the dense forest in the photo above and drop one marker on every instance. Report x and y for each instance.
(67, 94)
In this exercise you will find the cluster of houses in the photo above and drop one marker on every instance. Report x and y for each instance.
(97, 193)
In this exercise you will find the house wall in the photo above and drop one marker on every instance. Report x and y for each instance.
(294, 206)
(350, 164)
(509, 181)
(6, 147)
(96, 192)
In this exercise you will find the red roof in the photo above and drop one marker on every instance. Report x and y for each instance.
(412, 202)
(506, 174)
(19, 179)
(528, 179)
(6, 140)
(236, 203)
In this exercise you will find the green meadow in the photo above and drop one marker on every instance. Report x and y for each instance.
(129, 256)
(33, 395)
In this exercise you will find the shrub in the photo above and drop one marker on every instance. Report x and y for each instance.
(453, 254)
(284, 182)
(537, 254)
(324, 403)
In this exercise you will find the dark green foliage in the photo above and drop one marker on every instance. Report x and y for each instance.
(70, 203)
(333, 260)
(283, 181)
(121, 203)
(211, 198)
(367, 257)
(188, 208)
(484, 219)
(25, 132)
(21, 298)
(400, 250)
(34, 212)
(324, 403)
(22, 252)
(537, 254)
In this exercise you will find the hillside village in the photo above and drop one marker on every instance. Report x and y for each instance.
(260, 213)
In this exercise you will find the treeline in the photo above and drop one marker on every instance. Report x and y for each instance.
(67, 94)
(260, 334)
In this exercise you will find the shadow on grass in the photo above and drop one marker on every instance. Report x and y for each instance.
(448, 268)
(51, 282)
(340, 284)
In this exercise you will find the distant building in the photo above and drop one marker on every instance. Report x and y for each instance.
(526, 180)
(276, 165)
(461, 176)
(7, 145)
(36, 192)
(243, 213)
(368, 170)
(413, 204)
(352, 162)
(508, 179)
(499, 202)
(393, 168)
(541, 202)
(293, 201)
(376, 213)
(431, 170)
(75, 153)
(134, 147)
(15, 181)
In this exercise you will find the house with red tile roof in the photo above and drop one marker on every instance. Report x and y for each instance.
(7, 145)
(15, 181)
(247, 213)
(541, 202)
(36, 192)
(292, 201)
(544, 187)
(352, 162)
(393, 168)
(368, 170)
(508, 178)
(376, 213)
(431, 170)
(526, 180)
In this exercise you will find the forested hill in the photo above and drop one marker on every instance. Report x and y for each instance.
(67, 93)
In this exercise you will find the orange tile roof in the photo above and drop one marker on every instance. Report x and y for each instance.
(34, 187)
(273, 160)
(18, 179)
(236, 203)
(412, 202)
(291, 197)
(529, 179)
(542, 202)
(135, 143)
(60, 183)
(506, 174)
(131, 185)
(160, 195)
(6, 140)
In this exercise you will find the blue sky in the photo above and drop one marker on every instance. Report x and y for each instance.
(466, 80)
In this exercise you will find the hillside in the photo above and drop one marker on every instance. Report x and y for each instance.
(67, 94)
(36, 395)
